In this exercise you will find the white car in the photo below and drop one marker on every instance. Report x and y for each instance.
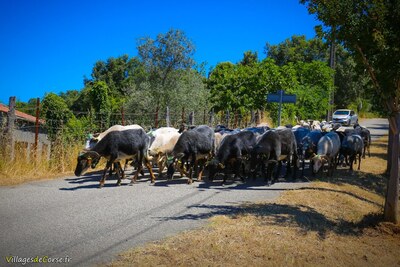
(345, 117)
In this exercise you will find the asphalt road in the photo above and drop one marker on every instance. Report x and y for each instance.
(377, 127)
(73, 220)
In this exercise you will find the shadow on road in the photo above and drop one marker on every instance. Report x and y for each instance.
(91, 180)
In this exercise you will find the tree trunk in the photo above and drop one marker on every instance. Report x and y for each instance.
(389, 152)
(392, 194)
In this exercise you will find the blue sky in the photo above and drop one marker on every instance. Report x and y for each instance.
(50, 45)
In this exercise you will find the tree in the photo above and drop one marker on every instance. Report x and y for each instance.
(369, 29)
(99, 95)
(296, 49)
(56, 113)
(351, 83)
(249, 58)
(163, 59)
(70, 96)
(244, 87)
(313, 90)
(118, 73)
(27, 107)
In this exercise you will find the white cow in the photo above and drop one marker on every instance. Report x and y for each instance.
(165, 139)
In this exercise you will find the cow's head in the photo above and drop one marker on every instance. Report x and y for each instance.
(177, 162)
(318, 162)
(86, 159)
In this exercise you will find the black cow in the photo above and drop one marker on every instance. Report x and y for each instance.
(308, 147)
(366, 136)
(299, 134)
(288, 151)
(231, 154)
(352, 145)
(273, 147)
(116, 146)
(266, 154)
(193, 148)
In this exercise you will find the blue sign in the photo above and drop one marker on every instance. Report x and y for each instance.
(275, 98)
(280, 98)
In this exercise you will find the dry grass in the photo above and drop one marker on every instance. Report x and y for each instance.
(333, 222)
(23, 169)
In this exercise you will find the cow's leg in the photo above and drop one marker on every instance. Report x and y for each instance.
(196, 167)
(160, 164)
(226, 175)
(124, 169)
(182, 169)
(359, 161)
(148, 165)
(331, 164)
(191, 164)
(139, 168)
(351, 162)
(202, 164)
(303, 164)
(288, 167)
(190, 178)
(278, 171)
(294, 160)
(103, 178)
(236, 168)
(270, 169)
(119, 172)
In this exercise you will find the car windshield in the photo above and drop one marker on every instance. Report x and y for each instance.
(341, 112)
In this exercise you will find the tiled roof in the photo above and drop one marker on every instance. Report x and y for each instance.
(20, 115)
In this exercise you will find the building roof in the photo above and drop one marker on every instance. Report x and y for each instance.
(20, 115)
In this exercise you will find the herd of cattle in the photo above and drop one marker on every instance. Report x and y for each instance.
(249, 152)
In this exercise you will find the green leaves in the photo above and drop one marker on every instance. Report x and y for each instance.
(56, 113)
(244, 87)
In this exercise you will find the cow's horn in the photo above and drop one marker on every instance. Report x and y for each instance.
(91, 154)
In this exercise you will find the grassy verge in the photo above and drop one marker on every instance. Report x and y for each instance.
(23, 169)
(331, 222)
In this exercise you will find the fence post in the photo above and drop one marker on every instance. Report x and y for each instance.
(156, 119)
(10, 144)
(36, 129)
(258, 117)
(204, 117)
(211, 118)
(227, 118)
(167, 117)
(60, 138)
(183, 115)
(191, 118)
(236, 120)
(122, 116)
(252, 118)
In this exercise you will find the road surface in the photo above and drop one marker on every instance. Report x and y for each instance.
(378, 127)
(72, 220)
